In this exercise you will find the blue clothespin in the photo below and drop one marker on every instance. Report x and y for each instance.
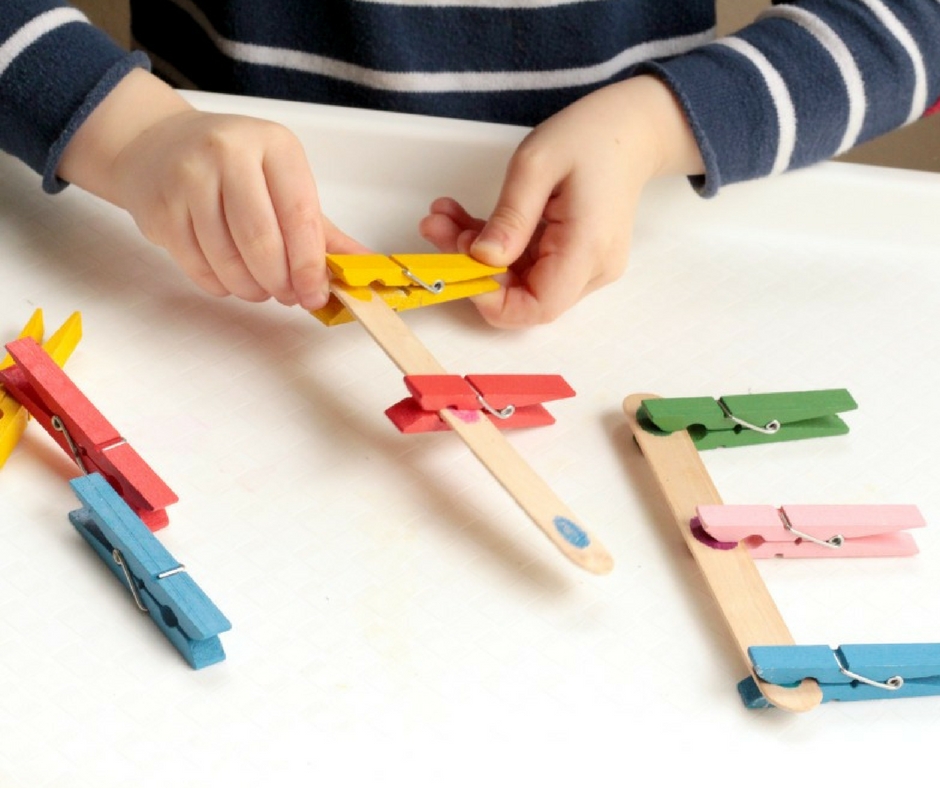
(159, 584)
(866, 672)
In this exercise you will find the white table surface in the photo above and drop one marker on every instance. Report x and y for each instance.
(396, 619)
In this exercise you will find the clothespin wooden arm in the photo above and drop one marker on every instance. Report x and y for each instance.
(407, 281)
(76, 425)
(486, 442)
(13, 417)
(748, 609)
(159, 584)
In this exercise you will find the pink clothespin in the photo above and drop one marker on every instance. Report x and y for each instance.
(810, 531)
(53, 400)
(509, 401)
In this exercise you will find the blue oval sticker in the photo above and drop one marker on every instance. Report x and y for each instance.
(572, 532)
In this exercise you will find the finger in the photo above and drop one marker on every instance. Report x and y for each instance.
(446, 236)
(259, 268)
(561, 275)
(449, 227)
(217, 248)
(449, 207)
(524, 303)
(296, 204)
(183, 247)
(337, 242)
(441, 231)
(527, 189)
(171, 228)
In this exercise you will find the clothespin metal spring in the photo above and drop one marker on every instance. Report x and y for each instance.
(833, 542)
(132, 581)
(59, 426)
(501, 413)
(891, 684)
(770, 428)
(434, 287)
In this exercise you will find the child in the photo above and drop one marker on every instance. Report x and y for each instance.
(618, 92)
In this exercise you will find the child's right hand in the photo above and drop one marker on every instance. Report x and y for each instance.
(231, 198)
(564, 217)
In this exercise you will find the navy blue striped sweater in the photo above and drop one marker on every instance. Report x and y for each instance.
(805, 81)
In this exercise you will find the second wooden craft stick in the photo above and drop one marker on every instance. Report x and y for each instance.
(733, 579)
(486, 442)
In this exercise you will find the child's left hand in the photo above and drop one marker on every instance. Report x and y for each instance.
(564, 217)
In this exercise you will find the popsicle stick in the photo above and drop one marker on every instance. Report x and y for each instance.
(482, 437)
(731, 576)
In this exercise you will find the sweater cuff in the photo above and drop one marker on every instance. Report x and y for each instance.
(706, 185)
(728, 111)
(51, 183)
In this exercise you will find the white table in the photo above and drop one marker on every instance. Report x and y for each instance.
(394, 612)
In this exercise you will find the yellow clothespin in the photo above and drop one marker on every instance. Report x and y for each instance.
(405, 281)
(13, 416)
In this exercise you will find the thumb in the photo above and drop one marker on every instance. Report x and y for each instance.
(522, 200)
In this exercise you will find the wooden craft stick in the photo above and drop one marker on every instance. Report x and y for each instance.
(732, 577)
(483, 438)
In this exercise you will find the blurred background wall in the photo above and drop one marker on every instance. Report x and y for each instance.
(914, 147)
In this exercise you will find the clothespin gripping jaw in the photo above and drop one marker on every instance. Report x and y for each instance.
(748, 419)
(80, 429)
(13, 416)
(810, 530)
(159, 584)
(509, 401)
(879, 671)
(404, 281)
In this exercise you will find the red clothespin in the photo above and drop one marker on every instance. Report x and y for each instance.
(13, 416)
(509, 401)
(810, 531)
(78, 427)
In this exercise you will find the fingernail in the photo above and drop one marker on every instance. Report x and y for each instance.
(487, 247)
(310, 303)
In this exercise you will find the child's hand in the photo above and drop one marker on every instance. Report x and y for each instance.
(231, 198)
(564, 217)
(234, 202)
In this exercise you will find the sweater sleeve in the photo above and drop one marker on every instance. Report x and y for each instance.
(55, 68)
(806, 81)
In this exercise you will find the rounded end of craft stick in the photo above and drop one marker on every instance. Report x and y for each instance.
(602, 563)
(805, 696)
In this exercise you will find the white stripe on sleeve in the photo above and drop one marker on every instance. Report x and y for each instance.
(779, 94)
(444, 81)
(848, 68)
(35, 29)
(906, 40)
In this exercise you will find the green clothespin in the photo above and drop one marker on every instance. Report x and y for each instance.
(748, 419)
